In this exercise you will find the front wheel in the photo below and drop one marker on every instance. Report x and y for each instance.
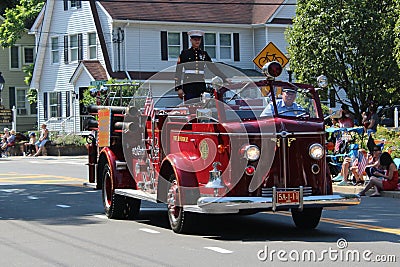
(178, 219)
(306, 219)
(117, 206)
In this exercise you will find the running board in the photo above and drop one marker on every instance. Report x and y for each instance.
(137, 194)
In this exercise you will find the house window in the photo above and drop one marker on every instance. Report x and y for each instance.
(210, 44)
(14, 58)
(218, 46)
(92, 49)
(73, 47)
(28, 55)
(174, 44)
(53, 104)
(225, 46)
(21, 102)
(55, 54)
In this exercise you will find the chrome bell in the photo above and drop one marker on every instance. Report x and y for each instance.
(215, 179)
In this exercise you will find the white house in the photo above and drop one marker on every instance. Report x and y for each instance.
(79, 42)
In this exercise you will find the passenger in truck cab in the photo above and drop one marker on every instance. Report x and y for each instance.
(286, 105)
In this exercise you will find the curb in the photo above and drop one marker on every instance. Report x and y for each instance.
(356, 189)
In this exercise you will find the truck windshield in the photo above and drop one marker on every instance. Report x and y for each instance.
(252, 102)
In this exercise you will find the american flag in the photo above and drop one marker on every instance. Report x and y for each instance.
(339, 141)
(362, 162)
(149, 105)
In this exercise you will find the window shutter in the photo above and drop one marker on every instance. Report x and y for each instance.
(236, 50)
(65, 4)
(185, 41)
(45, 107)
(68, 103)
(78, 4)
(66, 49)
(80, 47)
(11, 96)
(164, 45)
(59, 100)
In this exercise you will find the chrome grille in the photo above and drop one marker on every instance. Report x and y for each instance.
(267, 192)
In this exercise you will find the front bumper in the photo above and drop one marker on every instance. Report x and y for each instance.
(222, 205)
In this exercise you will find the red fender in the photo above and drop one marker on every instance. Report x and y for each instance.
(121, 178)
(185, 174)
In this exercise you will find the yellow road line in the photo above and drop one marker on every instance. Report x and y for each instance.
(395, 231)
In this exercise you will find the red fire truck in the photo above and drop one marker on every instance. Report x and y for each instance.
(232, 152)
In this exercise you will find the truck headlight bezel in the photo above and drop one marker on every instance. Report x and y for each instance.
(251, 152)
(316, 151)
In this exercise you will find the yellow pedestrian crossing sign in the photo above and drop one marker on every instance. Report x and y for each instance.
(268, 54)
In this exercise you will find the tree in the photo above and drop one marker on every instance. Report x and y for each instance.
(352, 43)
(17, 19)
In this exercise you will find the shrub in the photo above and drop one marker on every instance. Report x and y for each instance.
(70, 139)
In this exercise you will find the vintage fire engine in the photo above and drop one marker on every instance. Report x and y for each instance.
(233, 152)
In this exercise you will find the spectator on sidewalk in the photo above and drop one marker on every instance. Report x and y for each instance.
(346, 119)
(30, 148)
(390, 178)
(8, 140)
(4, 137)
(44, 137)
(370, 120)
(354, 165)
(374, 166)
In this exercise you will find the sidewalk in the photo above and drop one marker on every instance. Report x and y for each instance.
(356, 189)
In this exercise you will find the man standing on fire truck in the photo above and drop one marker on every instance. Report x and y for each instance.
(189, 77)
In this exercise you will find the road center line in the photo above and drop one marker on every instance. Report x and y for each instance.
(219, 250)
(147, 230)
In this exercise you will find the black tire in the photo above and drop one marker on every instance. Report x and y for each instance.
(117, 206)
(179, 220)
(306, 219)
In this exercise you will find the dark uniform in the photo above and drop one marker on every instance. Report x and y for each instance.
(190, 76)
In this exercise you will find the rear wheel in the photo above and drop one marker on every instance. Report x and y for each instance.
(306, 219)
(178, 218)
(117, 206)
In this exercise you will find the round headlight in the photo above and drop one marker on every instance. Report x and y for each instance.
(316, 151)
(251, 152)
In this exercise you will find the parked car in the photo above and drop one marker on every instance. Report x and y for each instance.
(386, 116)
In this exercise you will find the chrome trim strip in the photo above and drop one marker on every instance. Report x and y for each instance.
(246, 134)
(235, 204)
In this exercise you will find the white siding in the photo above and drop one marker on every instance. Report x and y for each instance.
(56, 77)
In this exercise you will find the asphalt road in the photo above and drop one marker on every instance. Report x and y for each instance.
(47, 218)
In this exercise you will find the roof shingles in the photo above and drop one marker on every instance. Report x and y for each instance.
(201, 11)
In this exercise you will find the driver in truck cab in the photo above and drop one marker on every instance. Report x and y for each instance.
(286, 105)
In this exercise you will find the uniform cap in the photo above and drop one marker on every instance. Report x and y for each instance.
(195, 33)
(289, 90)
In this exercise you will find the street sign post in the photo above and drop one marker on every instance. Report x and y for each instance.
(270, 53)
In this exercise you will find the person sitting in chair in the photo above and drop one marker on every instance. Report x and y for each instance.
(286, 106)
